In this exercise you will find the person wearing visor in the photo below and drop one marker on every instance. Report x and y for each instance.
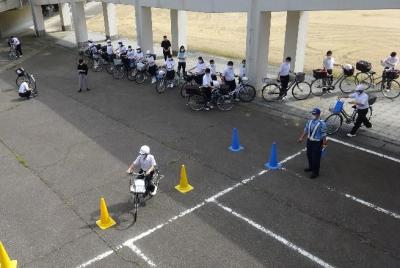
(146, 164)
(315, 131)
(360, 100)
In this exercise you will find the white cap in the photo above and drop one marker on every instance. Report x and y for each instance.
(108, 41)
(360, 87)
(144, 149)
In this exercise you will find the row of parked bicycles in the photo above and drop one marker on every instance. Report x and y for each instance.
(346, 82)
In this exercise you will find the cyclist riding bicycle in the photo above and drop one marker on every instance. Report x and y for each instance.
(139, 54)
(152, 67)
(391, 62)
(146, 164)
(199, 70)
(209, 85)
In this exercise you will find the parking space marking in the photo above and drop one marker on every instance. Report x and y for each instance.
(131, 241)
(140, 253)
(277, 237)
(365, 203)
(365, 150)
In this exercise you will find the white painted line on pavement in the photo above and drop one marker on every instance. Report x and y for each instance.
(277, 237)
(129, 242)
(140, 253)
(368, 204)
(365, 150)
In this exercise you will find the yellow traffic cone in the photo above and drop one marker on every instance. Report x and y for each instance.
(184, 185)
(5, 261)
(105, 220)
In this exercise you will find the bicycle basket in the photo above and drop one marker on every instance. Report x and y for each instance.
(300, 77)
(338, 107)
(140, 66)
(138, 186)
(392, 74)
(363, 66)
(320, 73)
(20, 72)
(117, 62)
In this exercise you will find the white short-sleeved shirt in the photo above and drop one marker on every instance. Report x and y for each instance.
(150, 60)
(139, 56)
(328, 63)
(24, 87)
(229, 74)
(391, 62)
(16, 41)
(207, 80)
(145, 162)
(170, 64)
(213, 68)
(200, 68)
(284, 69)
(242, 70)
(122, 49)
(131, 54)
(110, 49)
(361, 100)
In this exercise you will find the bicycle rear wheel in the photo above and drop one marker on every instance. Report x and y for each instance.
(119, 72)
(140, 78)
(247, 93)
(270, 92)
(183, 89)
(301, 90)
(318, 88)
(391, 90)
(160, 86)
(196, 102)
(225, 102)
(347, 84)
(333, 123)
(364, 78)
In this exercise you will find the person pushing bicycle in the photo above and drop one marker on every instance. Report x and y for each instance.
(146, 164)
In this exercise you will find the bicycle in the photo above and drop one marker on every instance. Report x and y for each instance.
(162, 82)
(13, 54)
(24, 76)
(389, 87)
(324, 82)
(335, 121)
(197, 98)
(300, 89)
(99, 62)
(138, 188)
(244, 91)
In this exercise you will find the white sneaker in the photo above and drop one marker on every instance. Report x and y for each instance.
(350, 135)
(132, 189)
(153, 80)
(153, 193)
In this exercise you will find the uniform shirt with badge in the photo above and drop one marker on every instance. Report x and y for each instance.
(145, 162)
(315, 129)
(361, 100)
(229, 74)
(284, 69)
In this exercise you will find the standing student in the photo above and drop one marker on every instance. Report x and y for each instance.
(82, 73)
(328, 64)
(110, 51)
(166, 45)
(283, 75)
(170, 66)
(182, 60)
(242, 70)
(315, 131)
(213, 70)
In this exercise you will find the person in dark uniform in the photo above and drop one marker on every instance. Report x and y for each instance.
(82, 73)
(166, 45)
(315, 131)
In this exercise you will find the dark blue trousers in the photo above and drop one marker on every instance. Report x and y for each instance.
(314, 155)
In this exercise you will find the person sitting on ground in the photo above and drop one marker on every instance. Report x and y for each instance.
(152, 67)
(110, 51)
(146, 164)
(170, 65)
(199, 70)
(283, 76)
(24, 90)
(213, 69)
(362, 105)
(242, 70)
(391, 62)
(182, 60)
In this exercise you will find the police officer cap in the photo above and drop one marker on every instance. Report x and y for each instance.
(316, 111)
(360, 87)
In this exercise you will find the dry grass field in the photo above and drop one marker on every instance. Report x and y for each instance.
(352, 35)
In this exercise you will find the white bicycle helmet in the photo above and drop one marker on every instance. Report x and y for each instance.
(108, 41)
(148, 52)
(360, 87)
(348, 67)
(144, 149)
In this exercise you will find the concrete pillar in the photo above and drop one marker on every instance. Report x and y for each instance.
(295, 38)
(178, 30)
(257, 45)
(38, 21)
(65, 17)
(144, 27)
(79, 20)
(110, 22)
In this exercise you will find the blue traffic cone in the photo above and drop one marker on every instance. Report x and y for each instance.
(273, 159)
(235, 147)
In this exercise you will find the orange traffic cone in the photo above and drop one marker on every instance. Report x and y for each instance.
(5, 261)
(184, 185)
(105, 220)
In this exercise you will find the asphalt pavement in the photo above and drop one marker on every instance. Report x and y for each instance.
(62, 151)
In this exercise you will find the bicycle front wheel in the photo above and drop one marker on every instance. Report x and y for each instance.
(119, 72)
(247, 93)
(110, 68)
(132, 74)
(135, 207)
(318, 88)
(160, 86)
(301, 91)
(270, 92)
(333, 123)
(183, 89)
(140, 77)
(364, 78)
(225, 103)
(347, 84)
(391, 90)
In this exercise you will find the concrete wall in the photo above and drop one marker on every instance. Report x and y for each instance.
(15, 21)
(9, 4)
